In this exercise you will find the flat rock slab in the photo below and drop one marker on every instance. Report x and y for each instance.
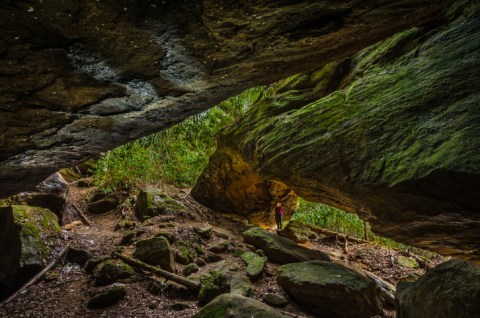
(255, 264)
(281, 250)
(330, 290)
(236, 306)
(451, 289)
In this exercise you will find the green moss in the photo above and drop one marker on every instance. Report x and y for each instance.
(212, 285)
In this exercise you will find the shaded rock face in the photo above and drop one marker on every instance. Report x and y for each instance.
(22, 244)
(280, 250)
(79, 78)
(156, 251)
(451, 289)
(390, 134)
(331, 290)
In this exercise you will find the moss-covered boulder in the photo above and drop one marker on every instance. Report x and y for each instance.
(279, 249)
(219, 247)
(297, 232)
(152, 202)
(451, 289)
(390, 133)
(190, 269)
(330, 290)
(237, 306)
(182, 253)
(107, 296)
(111, 271)
(24, 234)
(255, 264)
(102, 203)
(213, 284)
(155, 251)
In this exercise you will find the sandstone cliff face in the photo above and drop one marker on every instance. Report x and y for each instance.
(391, 134)
(81, 77)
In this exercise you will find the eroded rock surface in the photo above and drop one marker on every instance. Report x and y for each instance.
(79, 78)
(391, 134)
(451, 289)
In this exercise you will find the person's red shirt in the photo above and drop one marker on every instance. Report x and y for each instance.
(279, 210)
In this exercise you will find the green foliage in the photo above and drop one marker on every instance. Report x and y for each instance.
(330, 218)
(176, 155)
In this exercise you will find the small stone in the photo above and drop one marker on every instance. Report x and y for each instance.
(127, 238)
(93, 263)
(221, 234)
(107, 296)
(169, 236)
(111, 271)
(405, 261)
(238, 252)
(204, 232)
(200, 262)
(190, 268)
(178, 306)
(219, 247)
(212, 258)
(77, 256)
(275, 300)
(199, 249)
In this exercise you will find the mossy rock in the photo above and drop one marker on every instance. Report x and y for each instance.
(204, 232)
(152, 202)
(219, 247)
(128, 238)
(255, 264)
(199, 249)
(93, 262)
(211, 285)
(78, 256)
(183, 255)
(125, 224)
(241, 285)
(168, 235)
(190, 268)
(280, 250)
(328, 289)
(406, 261)
(25, 232)
(111, 271)
(155, 251)
(275, 300)
(297, 232)
(107, 296)
(237, 306)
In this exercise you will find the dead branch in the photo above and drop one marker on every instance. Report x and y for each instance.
(37, 277)
(329, 233)
(190, 284)
(81, 214)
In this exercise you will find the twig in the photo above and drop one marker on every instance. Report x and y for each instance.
(37, 277)
(329, 233)
(82, 215)
(160, 272)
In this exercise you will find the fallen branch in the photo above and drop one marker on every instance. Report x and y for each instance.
(37, 277)
(82, 215)
(190, 284)
(329, 233)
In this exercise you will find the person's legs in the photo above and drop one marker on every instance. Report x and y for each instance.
(278, 220)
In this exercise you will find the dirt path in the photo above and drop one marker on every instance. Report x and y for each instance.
(64, 292)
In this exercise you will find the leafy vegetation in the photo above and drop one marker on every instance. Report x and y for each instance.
(176, 155)
(328, 217)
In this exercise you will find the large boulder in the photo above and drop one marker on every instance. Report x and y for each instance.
(152, 202)
(236, 306)
(155, 251)
(24, 231)
(279, 249)
(331, 290)
(451, 289)
(390, 134)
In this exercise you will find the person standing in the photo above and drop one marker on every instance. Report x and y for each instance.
(279, 215)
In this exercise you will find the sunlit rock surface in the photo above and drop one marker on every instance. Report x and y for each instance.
(391, 134)
(81, 77)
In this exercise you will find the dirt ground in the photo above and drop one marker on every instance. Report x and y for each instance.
(64, 291)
